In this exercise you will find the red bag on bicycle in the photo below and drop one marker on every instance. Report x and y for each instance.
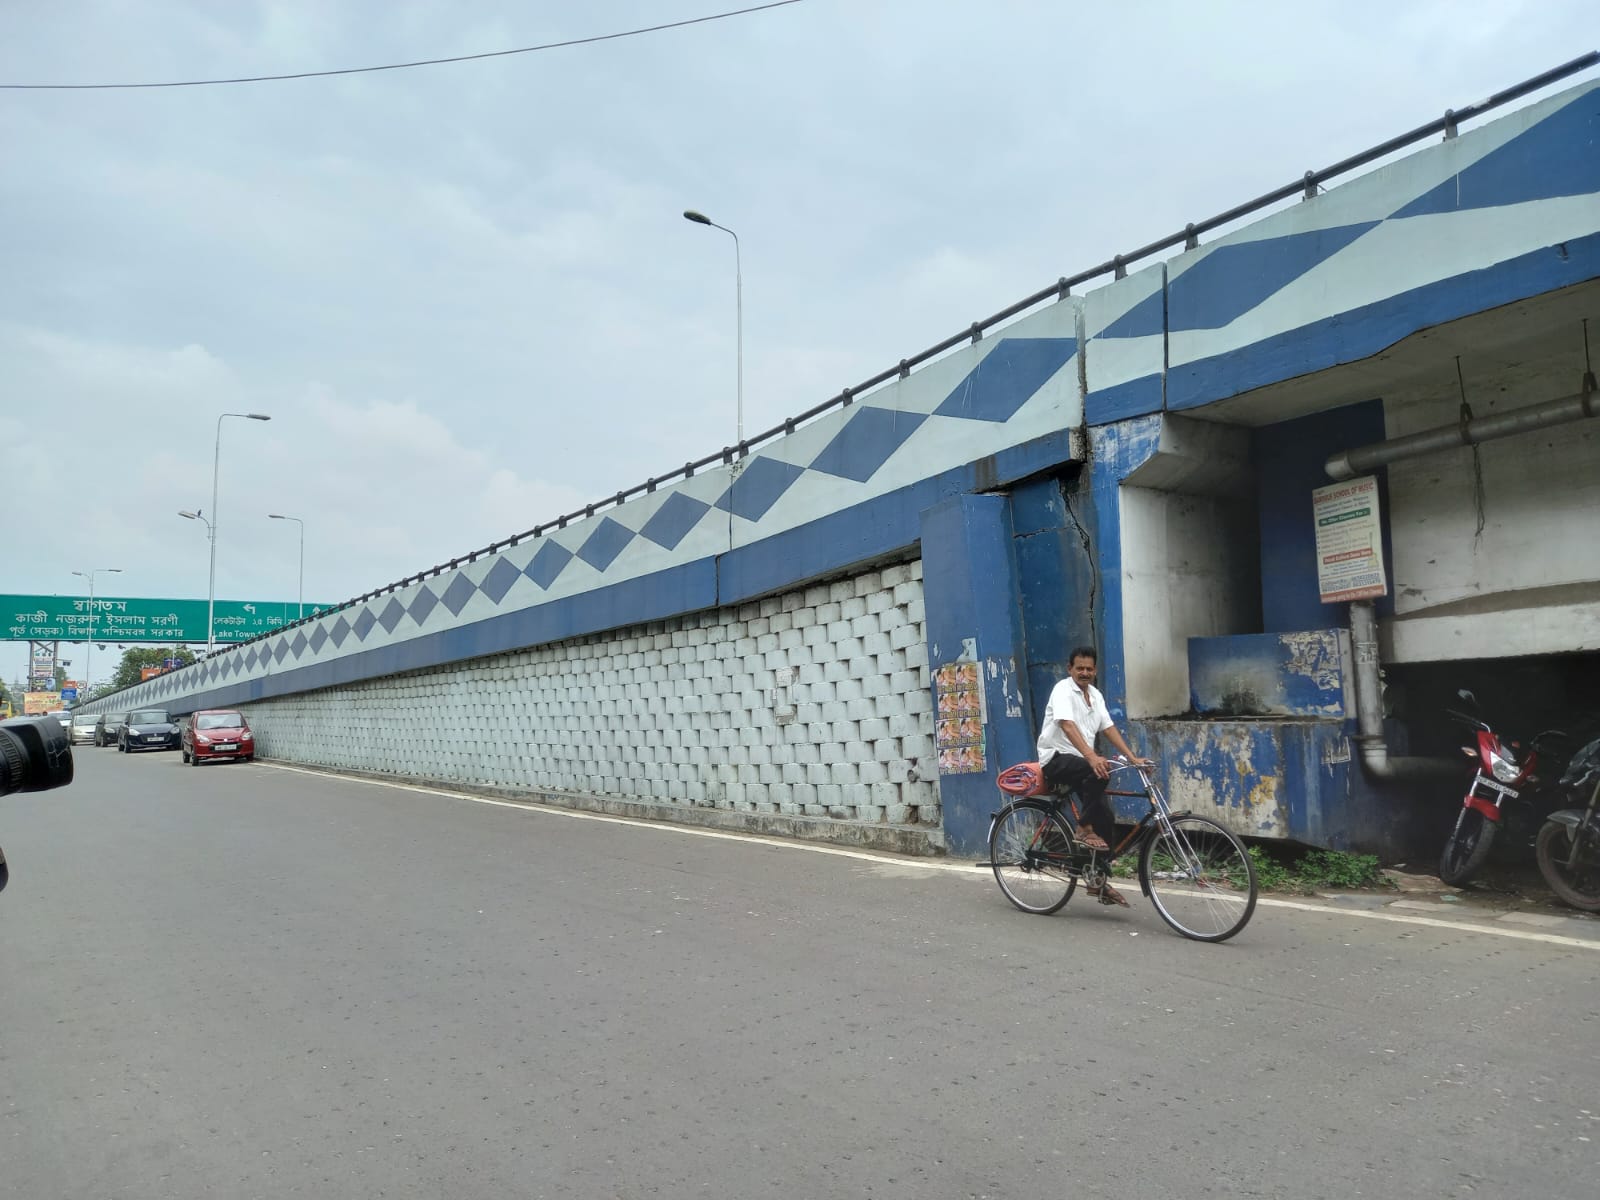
(1023, 779)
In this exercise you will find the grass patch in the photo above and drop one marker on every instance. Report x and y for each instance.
(1282, 868)
(1289, 869)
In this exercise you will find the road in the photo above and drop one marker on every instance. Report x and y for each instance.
(246, 980)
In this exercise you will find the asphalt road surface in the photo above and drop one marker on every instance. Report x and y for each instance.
(245, 981)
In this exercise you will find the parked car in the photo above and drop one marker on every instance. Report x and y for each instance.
(65, 718)
(110, 725)
(81, 727)
(217, 733)
(149, 729)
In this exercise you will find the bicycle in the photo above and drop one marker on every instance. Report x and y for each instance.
(1195, 872)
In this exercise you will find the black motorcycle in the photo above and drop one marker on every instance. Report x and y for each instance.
(1568, 845)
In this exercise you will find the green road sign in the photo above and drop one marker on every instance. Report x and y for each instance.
(137, 620)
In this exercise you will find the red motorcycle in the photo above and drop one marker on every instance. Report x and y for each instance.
(1506, 771)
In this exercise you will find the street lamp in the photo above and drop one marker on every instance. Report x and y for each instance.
(738, 308)
(211, 527)
(302, 524)
(88, 645)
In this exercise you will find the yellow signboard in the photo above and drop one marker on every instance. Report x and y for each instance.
(34, 703)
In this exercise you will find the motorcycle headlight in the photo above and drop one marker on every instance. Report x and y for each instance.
(1503, 767)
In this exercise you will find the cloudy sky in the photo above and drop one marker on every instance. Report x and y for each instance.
(466, 294)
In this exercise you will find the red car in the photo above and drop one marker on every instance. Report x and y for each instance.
(217, 733)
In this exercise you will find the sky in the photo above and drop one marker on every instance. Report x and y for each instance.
(466, 294)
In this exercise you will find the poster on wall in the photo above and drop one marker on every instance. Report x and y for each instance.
(1349, 540)
(958, 725)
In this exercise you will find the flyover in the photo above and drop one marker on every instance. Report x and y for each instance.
(840, 628)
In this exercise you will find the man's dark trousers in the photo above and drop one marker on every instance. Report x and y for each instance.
(1075, 772)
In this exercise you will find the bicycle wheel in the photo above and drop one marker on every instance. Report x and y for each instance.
(1200, 879)
(1029, 848)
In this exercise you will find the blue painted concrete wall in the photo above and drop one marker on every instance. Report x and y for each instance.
(1057, 574)
(1300, 674)
(972, 614)
(1289, 458)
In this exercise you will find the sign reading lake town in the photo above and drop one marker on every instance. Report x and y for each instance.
(1349, 540)
(136, 620)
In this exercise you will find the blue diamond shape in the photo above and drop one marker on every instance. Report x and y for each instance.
(674, 519)
(865, 443)
(551, 560)
(498, 581)
(297, 647)
(340, 631)
(602, 546)
(250, 658)
(461, 590)
(392, 614)
(423, 603)
(363, 624)
(1233, 279)
(231, 664)
(1008, 375)
(758, 487)
(319, 639)
(280, 651)
(1540, 163)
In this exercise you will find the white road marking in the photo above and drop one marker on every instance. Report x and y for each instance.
(936, 864)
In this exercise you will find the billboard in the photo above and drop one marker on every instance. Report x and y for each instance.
(1349, 537)
(34, 703)
(137, 620)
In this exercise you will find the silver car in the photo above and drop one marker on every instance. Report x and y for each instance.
(82, 727)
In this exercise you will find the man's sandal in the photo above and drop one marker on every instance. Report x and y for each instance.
(1091, 839)
(1107, 894)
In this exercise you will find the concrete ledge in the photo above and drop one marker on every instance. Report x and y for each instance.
(916, 840)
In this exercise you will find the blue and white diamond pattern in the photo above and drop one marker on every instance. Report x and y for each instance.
(1474, 201)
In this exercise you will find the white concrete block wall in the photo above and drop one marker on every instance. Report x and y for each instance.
(687, 711)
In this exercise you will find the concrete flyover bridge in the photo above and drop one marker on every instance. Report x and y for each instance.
(842, 627)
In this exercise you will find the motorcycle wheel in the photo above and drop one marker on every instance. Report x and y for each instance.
(1468, 847)
(1578, 886)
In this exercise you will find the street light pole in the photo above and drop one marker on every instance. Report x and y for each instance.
(211, 526)
(88, 646)
(738, 310)
(302, 591)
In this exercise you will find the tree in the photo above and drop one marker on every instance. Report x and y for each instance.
(139, 657)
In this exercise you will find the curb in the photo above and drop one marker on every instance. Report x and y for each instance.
(914, 841)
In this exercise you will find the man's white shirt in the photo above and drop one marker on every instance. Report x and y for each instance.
(1067, 703)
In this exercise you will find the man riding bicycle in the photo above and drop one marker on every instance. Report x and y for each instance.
(1075, 715)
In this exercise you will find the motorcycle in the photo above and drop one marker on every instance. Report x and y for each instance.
(1568, 845)
(1501, 776)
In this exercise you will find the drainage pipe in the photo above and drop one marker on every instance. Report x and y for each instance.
(1374, 750)
(1349, 463)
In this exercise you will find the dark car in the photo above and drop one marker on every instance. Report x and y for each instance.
(149, 729)
(108, 727)
(217, 733)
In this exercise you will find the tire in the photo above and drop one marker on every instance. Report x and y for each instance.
(1580, 886)
(1468, 847)
(1199, 877)
(185, 754)
(1029, 847)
